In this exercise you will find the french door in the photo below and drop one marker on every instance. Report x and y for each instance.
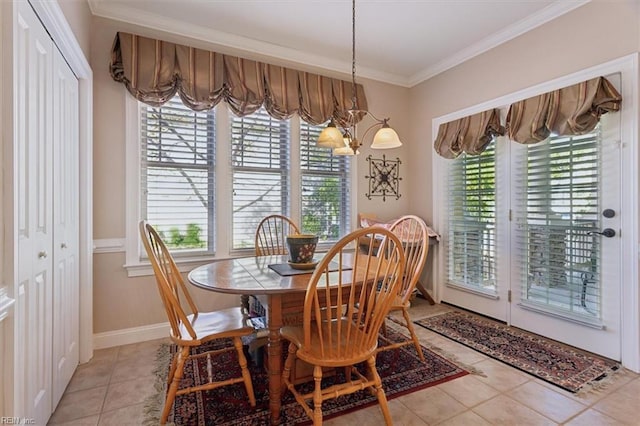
(533, 236)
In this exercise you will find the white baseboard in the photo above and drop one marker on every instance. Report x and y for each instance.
(126, 336)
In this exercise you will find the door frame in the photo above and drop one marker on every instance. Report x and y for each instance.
(627, 66)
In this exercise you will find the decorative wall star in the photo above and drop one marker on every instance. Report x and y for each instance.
(384, 177)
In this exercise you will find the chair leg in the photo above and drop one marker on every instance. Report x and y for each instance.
(412, 332)
(317, 396)
(175, 382)
(237, 342)
(286, 369)
(377, 384)
(384, 328)
(172, 368)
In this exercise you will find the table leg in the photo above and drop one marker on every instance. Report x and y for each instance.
(274, 322)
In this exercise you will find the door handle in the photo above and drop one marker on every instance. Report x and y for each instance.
(607, 232)
(42, 254)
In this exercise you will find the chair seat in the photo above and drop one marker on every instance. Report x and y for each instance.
(313, 353)
(218, 324)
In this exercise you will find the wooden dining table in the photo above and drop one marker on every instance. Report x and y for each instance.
(282, 297)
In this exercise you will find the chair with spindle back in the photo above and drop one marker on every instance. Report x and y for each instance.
(271, 234)
(412, 232)
(191, 331)
(342, 315)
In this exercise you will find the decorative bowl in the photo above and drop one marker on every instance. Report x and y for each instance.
(301, 247)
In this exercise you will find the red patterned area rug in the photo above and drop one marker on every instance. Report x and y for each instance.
(401, 371)
(562, 365)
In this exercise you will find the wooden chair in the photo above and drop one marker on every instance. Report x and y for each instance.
(191, 331)
(341, 321)
(412, 232)
(271, 238)
(271, 235)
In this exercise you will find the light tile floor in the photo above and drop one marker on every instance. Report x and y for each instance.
(112, 387)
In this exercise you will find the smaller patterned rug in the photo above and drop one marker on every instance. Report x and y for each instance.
(567, 367)
(401, 371)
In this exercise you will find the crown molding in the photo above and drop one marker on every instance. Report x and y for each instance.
(256, 47)
(547, 14)
(134, 16)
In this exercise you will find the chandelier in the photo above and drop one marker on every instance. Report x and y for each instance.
(343, 140)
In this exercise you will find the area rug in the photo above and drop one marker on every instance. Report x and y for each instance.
(401, 371)
(562, 365)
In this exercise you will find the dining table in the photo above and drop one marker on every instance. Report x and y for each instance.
(281, 295)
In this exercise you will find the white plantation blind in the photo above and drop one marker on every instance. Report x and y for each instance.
(559, 258)
(325, 188)
(471, 247)
(260, 167)
(177, 174)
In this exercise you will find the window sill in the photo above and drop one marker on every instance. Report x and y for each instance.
(143, 267)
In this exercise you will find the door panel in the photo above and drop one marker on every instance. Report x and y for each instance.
(65, 244)
(567, 286)
(33, 63)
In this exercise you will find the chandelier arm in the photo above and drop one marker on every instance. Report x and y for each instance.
(364, 135)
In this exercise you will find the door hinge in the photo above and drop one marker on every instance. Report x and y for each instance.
(509, 296)
(510, 215)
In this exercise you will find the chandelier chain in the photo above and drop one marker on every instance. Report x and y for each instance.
(353, 53)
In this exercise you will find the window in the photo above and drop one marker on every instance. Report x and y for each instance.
(325, 192)
(561, 212)
(177, 173)
(207, 179)
(472, 223)
(260, 162)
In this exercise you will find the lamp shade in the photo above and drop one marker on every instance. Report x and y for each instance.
(386, 138)
(330, 137)
(346, 148)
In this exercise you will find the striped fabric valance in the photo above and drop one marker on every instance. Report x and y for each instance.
(154, 71)
(572, 110)
(469, 134)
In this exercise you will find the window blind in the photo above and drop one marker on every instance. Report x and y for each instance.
(177, 174)
(260, 167)
(325, 188)
(471, 247)
(560, 260)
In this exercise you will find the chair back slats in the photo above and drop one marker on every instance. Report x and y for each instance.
(271, 235)
(412, 232)
(345, 309)
(170, 283)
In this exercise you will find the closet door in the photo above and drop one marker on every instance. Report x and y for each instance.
(33, 214)
(65, 226)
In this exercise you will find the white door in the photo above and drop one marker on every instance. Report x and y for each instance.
(523, 243)
(566, 246)
(65, 218)
(32, 159)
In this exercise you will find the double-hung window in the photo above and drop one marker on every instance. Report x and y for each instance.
(177, 175)
(260, 163)
(325, 192)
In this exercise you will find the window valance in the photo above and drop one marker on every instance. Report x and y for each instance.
(572, 110)
(469, 134)
(154, 71)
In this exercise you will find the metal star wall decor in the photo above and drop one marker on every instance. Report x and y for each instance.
(384, 177)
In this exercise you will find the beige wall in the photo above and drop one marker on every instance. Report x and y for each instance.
(121, 302)
(590, 35)
(568, 44)
(79, 17)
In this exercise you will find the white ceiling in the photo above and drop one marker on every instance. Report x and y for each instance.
(402, 42)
